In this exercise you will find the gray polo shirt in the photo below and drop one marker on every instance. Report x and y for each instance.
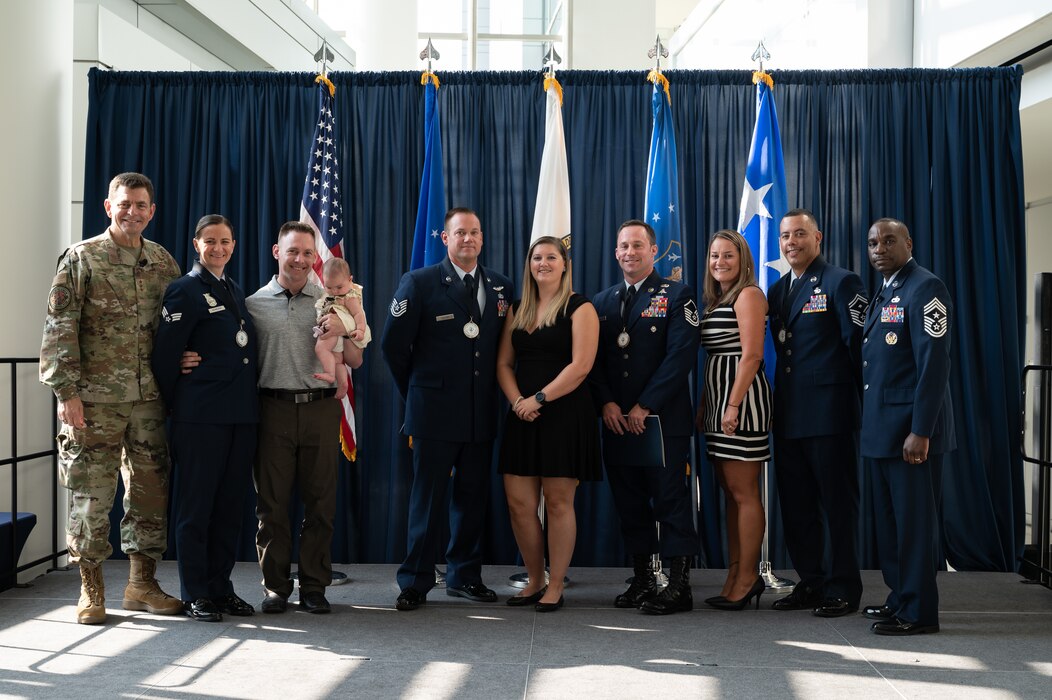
(286, 339)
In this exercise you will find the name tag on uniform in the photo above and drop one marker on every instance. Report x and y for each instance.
(215, 309)
(444, 317)
(892, 314)
(817, 304)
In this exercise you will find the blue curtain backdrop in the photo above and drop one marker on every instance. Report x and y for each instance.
(939, 149)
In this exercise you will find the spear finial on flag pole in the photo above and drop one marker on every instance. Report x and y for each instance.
(761, 54)
(657, 53)
(429, 52)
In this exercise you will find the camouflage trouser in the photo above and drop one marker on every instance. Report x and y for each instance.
(126, 436)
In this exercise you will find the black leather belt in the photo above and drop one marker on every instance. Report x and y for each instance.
(304, 396)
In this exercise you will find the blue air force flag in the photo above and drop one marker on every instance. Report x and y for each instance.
(662, 194)
(431, 207)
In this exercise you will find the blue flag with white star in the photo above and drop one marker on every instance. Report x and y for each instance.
(764, 198)
(431, 207)
(662, 186)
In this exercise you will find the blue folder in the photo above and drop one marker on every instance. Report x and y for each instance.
(631, 450)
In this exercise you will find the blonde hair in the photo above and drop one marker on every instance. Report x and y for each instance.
(713, 293)
(526, 314)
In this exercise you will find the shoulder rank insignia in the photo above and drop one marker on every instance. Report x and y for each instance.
(856, 308)
(398, 308)
(935, 321)
(690, 312)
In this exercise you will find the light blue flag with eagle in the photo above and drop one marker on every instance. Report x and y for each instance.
(431, 207)
(661, 203)
(764, 198)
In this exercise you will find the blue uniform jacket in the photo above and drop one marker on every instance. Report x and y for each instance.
(818, 339)
(200, 315)
(653, 370)
(906, 365)
(448, 381)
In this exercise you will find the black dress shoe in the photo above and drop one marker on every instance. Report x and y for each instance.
(900, 628)
(881, 613)
(518, 601)
(274, 603)
(715, 599)
(202, 610)
(232, 605)
(410, 599)
(797, 600)
(314, 602)
(834, 607)
(549, 607)
(473, 591)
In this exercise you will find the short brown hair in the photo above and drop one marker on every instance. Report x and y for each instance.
(800, 211)
(294, 226)
(458, 210)
(133, 181)
(639, 222)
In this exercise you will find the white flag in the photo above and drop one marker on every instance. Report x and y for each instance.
(551, 216)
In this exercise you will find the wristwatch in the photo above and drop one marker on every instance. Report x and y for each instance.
(539, 397)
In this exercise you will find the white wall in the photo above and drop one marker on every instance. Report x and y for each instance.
(608, 38)
(36, 148)
(948, 32)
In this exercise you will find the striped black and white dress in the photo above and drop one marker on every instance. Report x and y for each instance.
(722, 342)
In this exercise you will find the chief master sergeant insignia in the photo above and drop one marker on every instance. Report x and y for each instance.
(59, 298)
(935, 318)
(857, 309)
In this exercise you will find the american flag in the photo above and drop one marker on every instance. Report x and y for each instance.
(322, 210)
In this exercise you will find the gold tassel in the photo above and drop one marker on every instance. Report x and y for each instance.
(328, 83)
(759, 75)
(551, 81)
(428, 76)
(655, 76)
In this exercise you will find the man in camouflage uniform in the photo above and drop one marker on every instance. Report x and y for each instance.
(103, 310)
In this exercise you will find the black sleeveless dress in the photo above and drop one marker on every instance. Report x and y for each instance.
(564, 440)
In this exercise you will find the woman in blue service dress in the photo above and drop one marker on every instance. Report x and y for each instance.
(735, 415)
(214, 411)
(551, 437)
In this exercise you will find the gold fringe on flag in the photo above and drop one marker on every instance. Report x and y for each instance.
(655, 76)
(759, 75)
(327, 83)
(351, 455)
(551, 81)
(428, 76)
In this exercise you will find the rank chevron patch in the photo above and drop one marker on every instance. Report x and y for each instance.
(398, 308)
(935, 321)
(857, 309)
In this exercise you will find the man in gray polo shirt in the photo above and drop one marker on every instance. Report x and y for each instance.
(299, 426)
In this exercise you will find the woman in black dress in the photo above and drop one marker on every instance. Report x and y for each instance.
(551, 439)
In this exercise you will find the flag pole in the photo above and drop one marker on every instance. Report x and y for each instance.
(773, 581)
(551, 58)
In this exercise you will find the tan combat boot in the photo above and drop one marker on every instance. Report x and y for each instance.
(143, 592)
(91, 608)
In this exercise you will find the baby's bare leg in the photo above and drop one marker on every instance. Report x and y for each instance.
(324, 350)
(341, 376)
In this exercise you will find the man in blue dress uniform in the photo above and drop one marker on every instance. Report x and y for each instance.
(907, 426)
(440, 343)
(648, 344)
(817, 312)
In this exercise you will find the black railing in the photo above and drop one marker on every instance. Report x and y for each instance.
(13, 463)
(1041, 507)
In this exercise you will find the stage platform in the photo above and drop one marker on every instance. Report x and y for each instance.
(996, 642)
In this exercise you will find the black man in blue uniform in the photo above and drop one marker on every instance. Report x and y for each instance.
(817, 311)
(907, 426)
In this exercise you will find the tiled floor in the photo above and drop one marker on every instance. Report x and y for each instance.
(996, 642)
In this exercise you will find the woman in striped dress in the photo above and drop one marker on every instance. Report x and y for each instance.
(736, 411)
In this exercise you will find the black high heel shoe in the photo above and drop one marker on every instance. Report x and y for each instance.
(754, 592)
(714, 600)
(518, 601)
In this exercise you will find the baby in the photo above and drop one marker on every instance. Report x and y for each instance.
(344, 299)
